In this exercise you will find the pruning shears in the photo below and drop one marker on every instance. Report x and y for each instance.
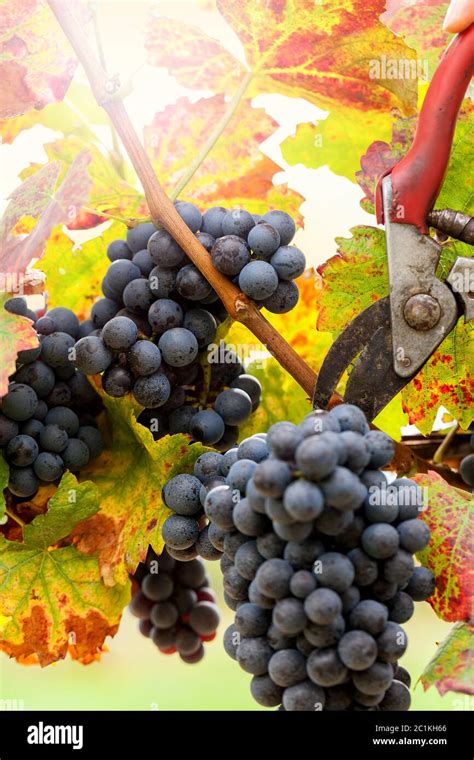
(393, 338)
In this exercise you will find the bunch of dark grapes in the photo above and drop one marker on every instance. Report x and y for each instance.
(466, 467)
(176, 607)
(316, 552)
(153, 334)
(47, 417)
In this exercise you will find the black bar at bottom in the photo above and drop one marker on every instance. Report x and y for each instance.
(220, 734)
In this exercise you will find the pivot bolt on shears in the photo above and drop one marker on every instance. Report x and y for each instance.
(394, 337)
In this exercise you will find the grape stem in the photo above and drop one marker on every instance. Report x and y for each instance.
(445, 443)
(15, 517)
(163, 211)
(116, 152)
(214, 136)
(107, 93)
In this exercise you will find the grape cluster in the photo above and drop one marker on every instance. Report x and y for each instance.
(466, 467)
(175, 605)
(47, 417)
(316, 551)
(254, 252)
(149, 335)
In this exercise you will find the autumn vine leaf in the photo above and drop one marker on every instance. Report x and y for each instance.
(450, 517)
(74, 273)
(337, 141)
(36, 65)
(130, 475)
(36, 198)
(421, 26)
(456, 191)
(291, 49)
(16, 334)
(76, 115)
(236, 172)
(451, 667)
(52, 594)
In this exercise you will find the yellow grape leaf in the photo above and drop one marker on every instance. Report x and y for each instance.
(108, 191)
(74, 273)
(236, 172)
(16, 334)
(328, 53)
(53, 596)
(130, 475)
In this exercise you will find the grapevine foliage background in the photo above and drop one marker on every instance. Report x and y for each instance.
(80, 552)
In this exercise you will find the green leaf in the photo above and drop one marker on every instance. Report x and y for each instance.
(130, 475)
(336, 142)
(449, 513)
(353, 279)
(451, 667)
(53, 597)
(72, 503)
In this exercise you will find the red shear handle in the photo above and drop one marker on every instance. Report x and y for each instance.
(418, 177)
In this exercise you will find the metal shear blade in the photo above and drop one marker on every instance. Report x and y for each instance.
(373, 381)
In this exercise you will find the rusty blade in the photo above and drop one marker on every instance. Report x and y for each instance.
(372, 382)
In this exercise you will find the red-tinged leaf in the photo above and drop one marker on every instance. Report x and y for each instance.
(53, 595)
(382, 156)
(421, 26)
(235, 172)
(295, 49)
(451, 669)
(449, 513)
(36, 65)
(76, 115)
(196, 60)
(16, 334)
(108, 193)
(84, 220)
(63, 206)
(447, 379)
(456, 191)
(28, 199)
